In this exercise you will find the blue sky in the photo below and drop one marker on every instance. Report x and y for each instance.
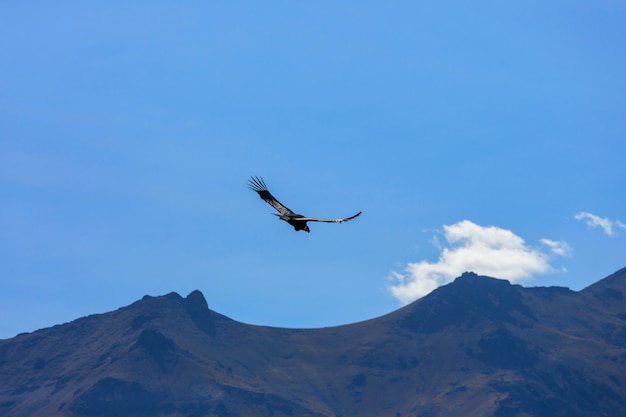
(487, 136)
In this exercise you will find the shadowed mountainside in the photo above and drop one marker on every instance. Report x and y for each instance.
(478, 346)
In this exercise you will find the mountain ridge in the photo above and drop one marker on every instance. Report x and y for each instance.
(478, 344)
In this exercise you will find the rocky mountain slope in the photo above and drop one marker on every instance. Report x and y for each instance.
(476, 347)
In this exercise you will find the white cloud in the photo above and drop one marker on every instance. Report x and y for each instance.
(558, 248)
(490, 250)
(606, 224)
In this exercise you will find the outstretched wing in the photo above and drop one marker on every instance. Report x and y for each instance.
(257, 184)
(313, 219)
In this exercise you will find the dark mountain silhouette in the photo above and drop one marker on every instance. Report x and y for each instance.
(476, 347)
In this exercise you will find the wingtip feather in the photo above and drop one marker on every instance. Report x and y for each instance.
(257, 184)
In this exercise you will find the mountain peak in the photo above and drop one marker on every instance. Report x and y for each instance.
(468, 300)
(169, 296)
(473, 279)
(196, 301)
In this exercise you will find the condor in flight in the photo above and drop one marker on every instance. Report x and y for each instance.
(298, 221)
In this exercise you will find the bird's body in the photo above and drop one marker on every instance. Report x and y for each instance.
(298, 221)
